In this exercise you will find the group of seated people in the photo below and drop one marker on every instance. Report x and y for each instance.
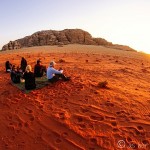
(17, 74)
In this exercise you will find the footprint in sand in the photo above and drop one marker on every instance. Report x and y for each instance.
(11, 126)
(113, 123)
(82, 126)
(140, 127)
(86, 60)
(58, 141)
(137, 132)
(109, 104)
(26, 124)
(110, 118)
(95, 92)
(145, 142)
(83, 110)
(79, 119)
(21, 146)
(41, 106)
(64, 134)
(124, 115)
(132, 118)
(17, 131)
(134, 131)
(115, 129)
(65, 101)
(120, 112)
(38, 139)
(93, 141)
(133, 145)
(129, 139)
(7, 146)
(32, 118)
(49, 108)
(92, 148)
(20, 125)
(97, 118)
(62, 115)
(13, 137)
(9, 117)
(30, 111)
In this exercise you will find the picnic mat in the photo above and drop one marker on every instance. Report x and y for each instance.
(40, 82)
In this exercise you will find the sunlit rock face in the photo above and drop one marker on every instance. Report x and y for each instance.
(12, 45)
(64, 37)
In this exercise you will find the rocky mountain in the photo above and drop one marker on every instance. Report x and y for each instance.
(53, 37)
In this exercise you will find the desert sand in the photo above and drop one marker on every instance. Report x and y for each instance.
(78, 114)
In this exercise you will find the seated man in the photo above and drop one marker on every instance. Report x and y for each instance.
(53, 75)
(39, 69)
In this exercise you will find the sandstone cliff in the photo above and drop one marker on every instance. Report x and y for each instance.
(53, 37)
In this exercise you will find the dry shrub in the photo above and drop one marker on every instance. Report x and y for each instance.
(103, 84)
(98, 60)
(61, 61)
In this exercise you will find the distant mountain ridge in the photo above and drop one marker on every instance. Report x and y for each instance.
(63, 37)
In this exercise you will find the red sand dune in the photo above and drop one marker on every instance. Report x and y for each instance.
(78, 115)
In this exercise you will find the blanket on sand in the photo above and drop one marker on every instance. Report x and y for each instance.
(40, 82)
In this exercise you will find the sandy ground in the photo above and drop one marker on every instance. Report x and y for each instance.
(78, 114)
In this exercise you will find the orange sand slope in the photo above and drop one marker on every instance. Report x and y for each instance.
(78, 115)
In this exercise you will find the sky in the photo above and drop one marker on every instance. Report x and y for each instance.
(125, 22)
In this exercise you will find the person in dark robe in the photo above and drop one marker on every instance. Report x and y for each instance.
(39, 69)
(23, 64)
(29, 78)
(8, 66)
